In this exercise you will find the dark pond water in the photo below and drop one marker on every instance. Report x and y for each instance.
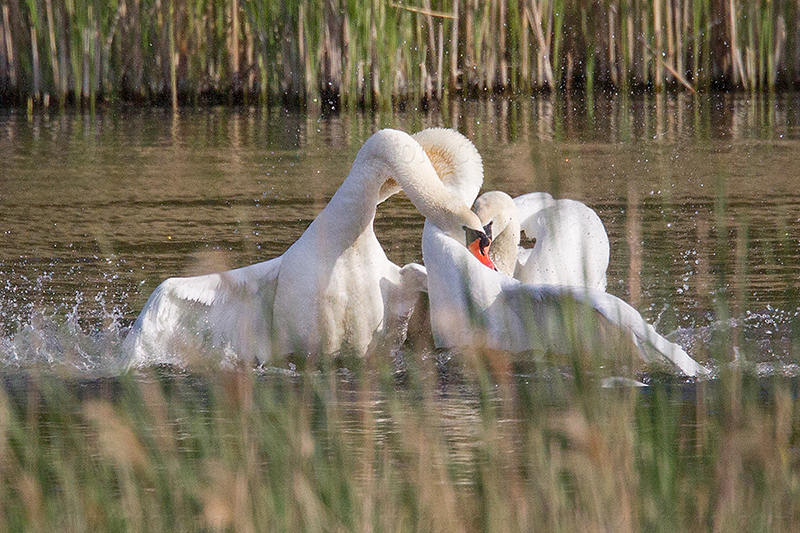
(699, 197)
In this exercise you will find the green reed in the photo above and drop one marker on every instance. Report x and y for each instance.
(377, 52)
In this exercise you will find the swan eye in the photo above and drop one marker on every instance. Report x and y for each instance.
(483, 244)
(479, 239)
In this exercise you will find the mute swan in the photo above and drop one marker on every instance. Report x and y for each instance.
(473, 306)
(570, 242)
(332, 289)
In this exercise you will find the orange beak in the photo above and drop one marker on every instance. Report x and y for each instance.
(480, 249)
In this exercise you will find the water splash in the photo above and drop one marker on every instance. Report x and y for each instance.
(760, 341)
(79, 335)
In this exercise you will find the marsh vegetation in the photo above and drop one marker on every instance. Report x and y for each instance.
(380, 53)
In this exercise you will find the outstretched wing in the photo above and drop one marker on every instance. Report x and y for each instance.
(530, 204)
(228, 313)
(556, 312)
(651, 345)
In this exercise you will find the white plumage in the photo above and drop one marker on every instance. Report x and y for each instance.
(473, 306)
(333, 289)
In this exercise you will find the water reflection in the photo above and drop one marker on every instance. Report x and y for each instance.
(697, 193)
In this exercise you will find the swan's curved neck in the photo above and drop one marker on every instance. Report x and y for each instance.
(456, 160)
(394, 155)
(499, 209)
(504, 248)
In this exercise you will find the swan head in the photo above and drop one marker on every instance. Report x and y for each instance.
(432, 176)
(478, 243)
(497, 211)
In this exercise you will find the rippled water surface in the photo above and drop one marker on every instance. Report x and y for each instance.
(699, 197)
(700, 200)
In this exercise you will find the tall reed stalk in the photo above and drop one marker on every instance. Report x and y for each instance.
(382, 52)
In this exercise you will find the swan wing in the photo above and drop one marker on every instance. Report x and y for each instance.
(559, 309)
(651, 344)
(530, 204)
(230, 312)
(472, 305)
(572, 246)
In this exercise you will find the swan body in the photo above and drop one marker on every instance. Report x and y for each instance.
(333, 289)
(571, 244)
(472, 306)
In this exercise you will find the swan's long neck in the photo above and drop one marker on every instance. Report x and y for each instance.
(456, 160)
(504, 248)
(499, 209)
(395, 155)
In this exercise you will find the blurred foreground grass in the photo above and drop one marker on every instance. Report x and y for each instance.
(382, 447)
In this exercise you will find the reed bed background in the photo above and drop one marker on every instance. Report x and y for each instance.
(381, 52)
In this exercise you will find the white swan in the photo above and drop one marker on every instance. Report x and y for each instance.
(570, 242)
(333, 289)
(473, 306)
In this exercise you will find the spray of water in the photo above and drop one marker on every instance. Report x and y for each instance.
(80, 334)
